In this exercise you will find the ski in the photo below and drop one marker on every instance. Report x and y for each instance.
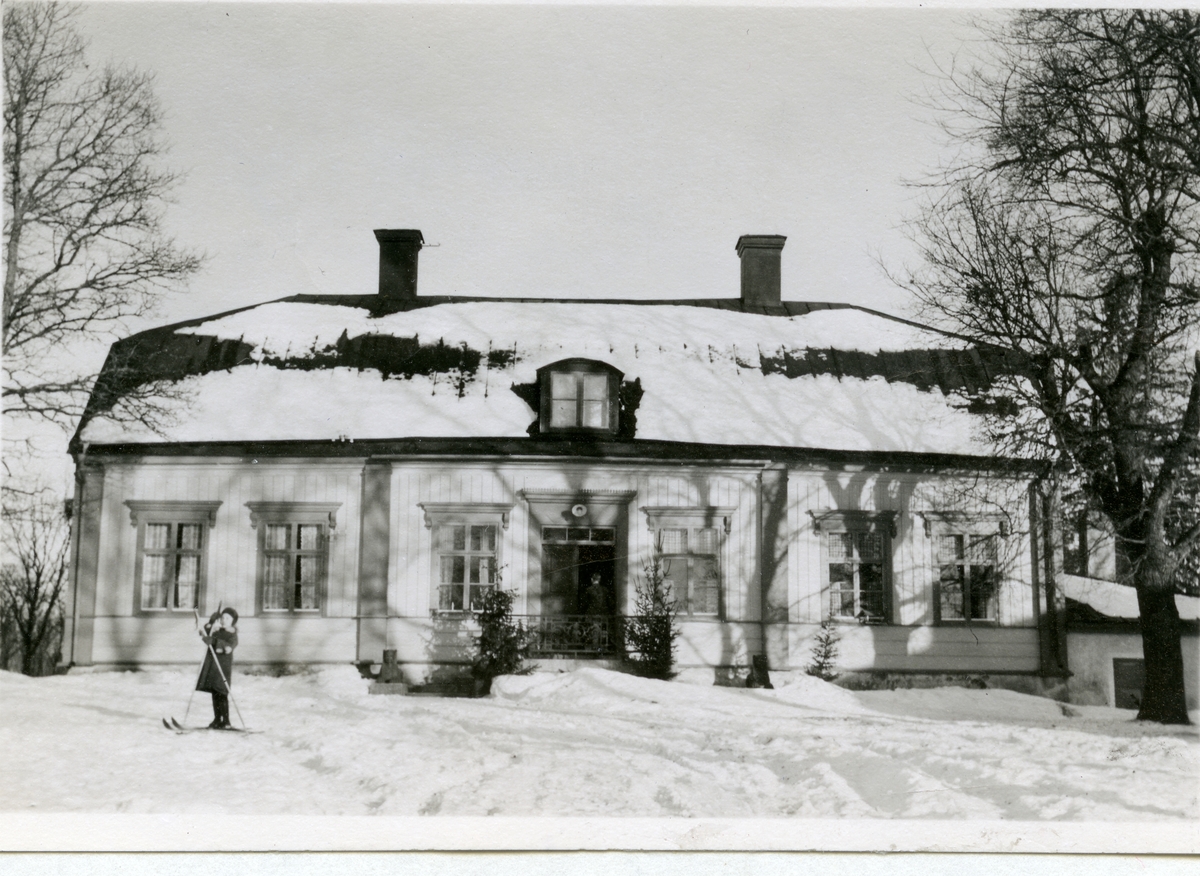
(177, 728)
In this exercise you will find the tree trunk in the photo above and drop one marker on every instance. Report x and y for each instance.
(1163, 697)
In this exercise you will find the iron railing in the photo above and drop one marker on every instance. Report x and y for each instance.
(572, 635)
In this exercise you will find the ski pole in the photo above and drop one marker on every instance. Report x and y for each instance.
(188, 710)
(196, 627)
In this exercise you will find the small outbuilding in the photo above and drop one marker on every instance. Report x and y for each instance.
(1104, 643)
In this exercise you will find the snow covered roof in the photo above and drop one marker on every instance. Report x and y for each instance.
(711, 372)
(1116, 600)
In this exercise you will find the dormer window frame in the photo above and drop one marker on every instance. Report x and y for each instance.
(579, 368)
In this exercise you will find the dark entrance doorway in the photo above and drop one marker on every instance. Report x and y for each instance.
(578, 571)
(1129, 677)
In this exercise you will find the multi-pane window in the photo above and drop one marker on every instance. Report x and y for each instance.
(968, 583)
(579, 394)
(466, 561)
(294, 559)
(579, 400)
(857, 576)
(293, 555)
(689, 559)
(579, 535)
(172, 554)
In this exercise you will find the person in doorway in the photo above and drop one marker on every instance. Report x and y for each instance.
(220, 635)
(596, 598)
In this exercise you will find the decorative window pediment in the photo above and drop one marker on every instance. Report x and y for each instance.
(292, 510)
(439, 512)
(659, 516)
(140, 509)
(983, 523)
(842, 521)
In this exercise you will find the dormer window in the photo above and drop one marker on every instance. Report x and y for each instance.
(579, 395)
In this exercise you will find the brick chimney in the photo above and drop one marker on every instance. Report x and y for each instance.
(398, 250)
(760, 267)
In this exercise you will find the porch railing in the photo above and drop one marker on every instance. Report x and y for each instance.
(572, 635)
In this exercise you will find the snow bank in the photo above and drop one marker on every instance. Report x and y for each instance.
(813, 693)
(1116, 600)
(962, 704)
(584, 743)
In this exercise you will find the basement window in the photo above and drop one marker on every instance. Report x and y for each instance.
(580, 396)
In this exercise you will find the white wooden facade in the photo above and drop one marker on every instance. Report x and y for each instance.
(774, 583)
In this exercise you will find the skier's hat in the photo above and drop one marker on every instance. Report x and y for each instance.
(216, 615)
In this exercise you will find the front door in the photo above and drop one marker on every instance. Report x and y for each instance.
(578, 570)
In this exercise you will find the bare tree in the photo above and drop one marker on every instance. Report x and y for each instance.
(1065, 236)
(36, 539)
(83, 238)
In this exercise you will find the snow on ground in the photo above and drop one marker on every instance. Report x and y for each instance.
(589, 742)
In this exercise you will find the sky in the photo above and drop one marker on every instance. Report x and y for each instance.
(542, 150)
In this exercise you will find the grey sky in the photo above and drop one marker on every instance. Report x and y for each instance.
(550, 151)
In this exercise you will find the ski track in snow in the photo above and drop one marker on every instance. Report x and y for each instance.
(590, 742)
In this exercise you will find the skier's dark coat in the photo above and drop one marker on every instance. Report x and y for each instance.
(223, 642)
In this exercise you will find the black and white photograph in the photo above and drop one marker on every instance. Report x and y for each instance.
(554, 427)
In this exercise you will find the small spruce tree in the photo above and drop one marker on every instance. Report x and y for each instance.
(825, 651)
(650, 634)
(503, 642)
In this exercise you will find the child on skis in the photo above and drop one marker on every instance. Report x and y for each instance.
(217, 671)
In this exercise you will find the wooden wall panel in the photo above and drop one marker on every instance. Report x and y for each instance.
(913, 574)
(415, 483)
(232, 547)
(923, 648)
(232, 558)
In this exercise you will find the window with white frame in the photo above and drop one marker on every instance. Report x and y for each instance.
(968, 581)
(856, 548)
(687, 547)
(466, 562)
(293, 555)
(172, 550)
(466, 552)
(579, 395)
(857, 584)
